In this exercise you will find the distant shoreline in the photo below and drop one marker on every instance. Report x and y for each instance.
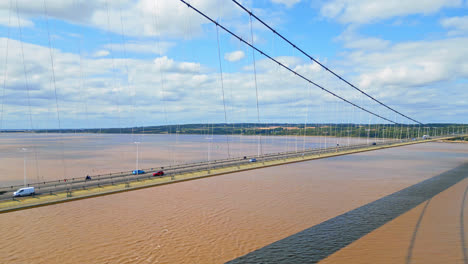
(273, 129)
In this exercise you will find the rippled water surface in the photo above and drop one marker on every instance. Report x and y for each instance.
(59, 156)
(217, 219)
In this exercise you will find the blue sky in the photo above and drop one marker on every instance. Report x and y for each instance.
(152, 62)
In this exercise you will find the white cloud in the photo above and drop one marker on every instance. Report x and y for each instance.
(170, 65)
(266, 64)
(287, 3)
(101, 53)
(188, 91)
(234, 56)
(456, 25)
(184, 91)
(10, 19)
(418, 78)
(367, 11)
(143, 18)
(413, 64)
(408, 76)
(352, 40)
(148, 47)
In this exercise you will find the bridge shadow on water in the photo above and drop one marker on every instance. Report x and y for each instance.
(462, 227)
(318, 242)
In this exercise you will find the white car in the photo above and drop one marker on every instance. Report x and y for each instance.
(24, 192)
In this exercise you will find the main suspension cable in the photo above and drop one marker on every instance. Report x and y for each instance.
(316, 61)
(283, 65)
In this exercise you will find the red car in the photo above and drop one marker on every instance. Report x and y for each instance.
(159, 173)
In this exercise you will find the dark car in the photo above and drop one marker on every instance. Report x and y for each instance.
(373, 143)
(135, 172)
(159, 173)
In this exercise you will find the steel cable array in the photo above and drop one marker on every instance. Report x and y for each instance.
(286, 67)
(323, 66)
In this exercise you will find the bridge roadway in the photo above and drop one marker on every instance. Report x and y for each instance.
(74, 184)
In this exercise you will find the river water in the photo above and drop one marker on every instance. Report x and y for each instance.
(59, 156)
(218, 219)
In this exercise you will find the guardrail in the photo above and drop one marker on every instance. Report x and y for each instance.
(127, 176)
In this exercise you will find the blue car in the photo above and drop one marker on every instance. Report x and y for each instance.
(135, 172)
(253, 160)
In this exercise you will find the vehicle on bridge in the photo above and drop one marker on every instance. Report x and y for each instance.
(136, 172)
(253, 160)
(24, 192)
(159, 173)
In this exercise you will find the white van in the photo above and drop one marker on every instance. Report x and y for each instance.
(24, 192)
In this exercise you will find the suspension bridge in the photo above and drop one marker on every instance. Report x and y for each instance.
(345, 118)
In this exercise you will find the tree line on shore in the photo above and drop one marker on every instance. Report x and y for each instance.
(281, 129)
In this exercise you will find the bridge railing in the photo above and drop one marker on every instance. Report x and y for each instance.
(197, 166)
(168, 169)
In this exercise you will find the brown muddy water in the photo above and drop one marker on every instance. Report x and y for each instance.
(433, 232)
(60, 156)
(218, 219)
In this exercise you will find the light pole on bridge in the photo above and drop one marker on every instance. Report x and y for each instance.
(24, 150)
(137, 153)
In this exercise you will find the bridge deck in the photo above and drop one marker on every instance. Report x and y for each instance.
(59, 192)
